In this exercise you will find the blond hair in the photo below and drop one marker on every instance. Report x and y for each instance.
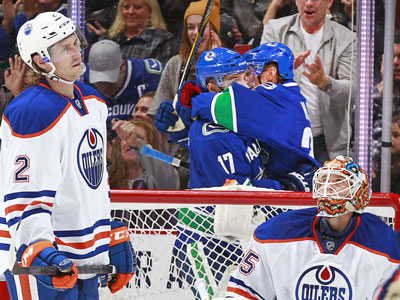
(156, 20)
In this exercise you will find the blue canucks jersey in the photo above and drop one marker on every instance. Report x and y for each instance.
(275, 114)
(142, 76)
(217, 153)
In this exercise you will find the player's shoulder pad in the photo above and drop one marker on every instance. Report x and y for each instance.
(290, 225)
(375, 234)
(34, 111)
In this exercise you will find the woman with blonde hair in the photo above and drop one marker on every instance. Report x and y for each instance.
(140, 30)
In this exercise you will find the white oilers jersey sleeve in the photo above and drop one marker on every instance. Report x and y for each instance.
(288, 259)
(53, 170)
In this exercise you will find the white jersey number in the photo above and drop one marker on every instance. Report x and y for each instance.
(227, 157)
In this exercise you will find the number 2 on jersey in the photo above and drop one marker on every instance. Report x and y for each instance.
(227, 157)
(24, 164)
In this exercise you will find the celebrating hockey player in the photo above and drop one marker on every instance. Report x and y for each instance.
(333, 251)
(53, 174)
(274, 113)
(227, 154)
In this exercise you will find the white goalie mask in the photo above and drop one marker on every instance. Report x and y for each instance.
(38, 35)
(341, 186)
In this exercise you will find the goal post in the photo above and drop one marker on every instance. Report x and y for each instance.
(176, 245)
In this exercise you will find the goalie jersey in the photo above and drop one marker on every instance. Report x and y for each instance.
(54, 181)
(288, 258)
(275, 114)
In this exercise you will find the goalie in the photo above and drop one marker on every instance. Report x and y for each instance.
(333, 251)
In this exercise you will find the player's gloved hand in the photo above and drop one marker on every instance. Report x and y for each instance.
(166, 116)
(44, 254)
(183, 107)
(299, 180)
(180, 137)
(122, 256)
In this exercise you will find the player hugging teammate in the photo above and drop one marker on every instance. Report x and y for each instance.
(241, 132)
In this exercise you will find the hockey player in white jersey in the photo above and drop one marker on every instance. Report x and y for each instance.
(333, 251)
(53, 176)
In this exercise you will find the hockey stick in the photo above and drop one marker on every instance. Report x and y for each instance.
(192, 56)
(164, 157)
(54, 271)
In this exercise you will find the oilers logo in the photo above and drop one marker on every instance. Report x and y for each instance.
(90, 157)
(322, 283)
(28, 28)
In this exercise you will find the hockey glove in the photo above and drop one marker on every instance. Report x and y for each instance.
(183, 107)
(44, 254)
(166, 116)
(299, 180)
(122, 256)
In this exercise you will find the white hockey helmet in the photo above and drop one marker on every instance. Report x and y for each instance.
(36, 36)
(341, 186)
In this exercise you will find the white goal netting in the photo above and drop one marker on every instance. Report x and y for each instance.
(177, 241)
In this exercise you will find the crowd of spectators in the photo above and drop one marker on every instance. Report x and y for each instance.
(138, 49)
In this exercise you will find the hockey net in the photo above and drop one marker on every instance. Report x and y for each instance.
(175, 237)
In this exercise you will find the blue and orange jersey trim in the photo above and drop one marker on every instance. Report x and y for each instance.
(370, 233)
(38, 109)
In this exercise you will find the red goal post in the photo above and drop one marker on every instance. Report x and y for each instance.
(153, 217)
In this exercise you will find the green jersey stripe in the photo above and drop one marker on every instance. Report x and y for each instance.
(223, 109)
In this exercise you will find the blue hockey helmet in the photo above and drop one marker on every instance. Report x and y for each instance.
(272, 52)
(218, 63)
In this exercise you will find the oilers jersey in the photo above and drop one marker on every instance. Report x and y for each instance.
(217, 153)
(142, 76)
(289, 258)
(275, 114)
(54, 182)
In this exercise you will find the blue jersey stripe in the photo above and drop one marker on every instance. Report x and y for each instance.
(82, 232)
(26, 214)
(4, 246)
(97, 251)
(242, 284)
(44, 193)
(3, 221)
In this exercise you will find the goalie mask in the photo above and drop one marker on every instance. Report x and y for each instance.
(40, 34)
(341, 186)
